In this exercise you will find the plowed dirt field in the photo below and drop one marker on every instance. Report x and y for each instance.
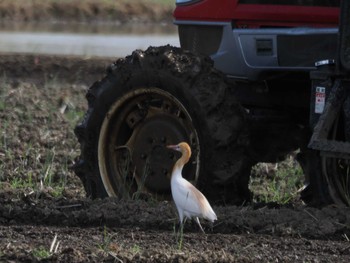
(42, 203)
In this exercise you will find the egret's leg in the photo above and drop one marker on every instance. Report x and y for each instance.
(182, 229)
(180, 237)
(180, 232)
(199, 223)
(181, 215)
(181, 225)
(181, 219)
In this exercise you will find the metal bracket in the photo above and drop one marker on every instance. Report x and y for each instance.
(319, 140)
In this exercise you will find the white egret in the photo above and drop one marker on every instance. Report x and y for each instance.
(189, 201)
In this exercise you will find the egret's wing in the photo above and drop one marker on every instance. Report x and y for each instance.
(187, 198)
(191, 201)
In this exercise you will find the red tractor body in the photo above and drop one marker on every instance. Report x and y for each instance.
(244, 14)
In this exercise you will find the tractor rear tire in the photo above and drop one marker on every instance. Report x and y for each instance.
(152, 98)
(336, 170)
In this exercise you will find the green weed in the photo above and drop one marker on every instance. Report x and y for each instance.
(136, 249)
(47, 169)
(107, 240)
(2, 105)
(141, 182)
(41, 253)
(127, 173)
(73, 116)
(19, 183)
(4, 86)
(277, 183)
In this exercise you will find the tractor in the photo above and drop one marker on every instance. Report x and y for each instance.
(253, 81)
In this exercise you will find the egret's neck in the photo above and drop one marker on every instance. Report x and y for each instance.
(177, 170)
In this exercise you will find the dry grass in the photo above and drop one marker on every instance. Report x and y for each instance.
(86, 11)
(37, 143)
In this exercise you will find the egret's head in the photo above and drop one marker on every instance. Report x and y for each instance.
(182, 147)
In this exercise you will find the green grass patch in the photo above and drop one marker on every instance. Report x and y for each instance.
(18, 183)
(41, 253)
(277, 183)
(74, 116)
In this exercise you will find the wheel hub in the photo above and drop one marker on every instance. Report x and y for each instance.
(153, 161)
(132, 155)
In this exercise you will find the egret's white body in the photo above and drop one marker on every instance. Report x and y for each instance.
(189, 201)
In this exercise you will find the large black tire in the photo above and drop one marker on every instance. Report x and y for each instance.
(336, 170)
(161, 96)
(316, 192)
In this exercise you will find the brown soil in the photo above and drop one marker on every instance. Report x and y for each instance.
(38, 97)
